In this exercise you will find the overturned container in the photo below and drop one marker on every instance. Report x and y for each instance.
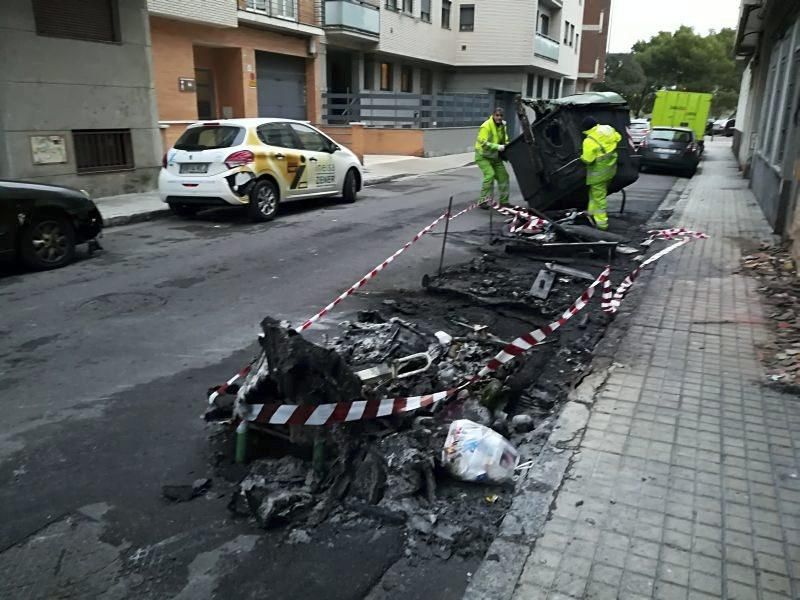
(546, 156)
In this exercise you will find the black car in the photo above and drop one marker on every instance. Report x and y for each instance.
(674, 148)
(42, 224)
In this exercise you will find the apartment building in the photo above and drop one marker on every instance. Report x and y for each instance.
(215, 59)
(767, 132)
(494, 49)
(592, 65)
(78, 107)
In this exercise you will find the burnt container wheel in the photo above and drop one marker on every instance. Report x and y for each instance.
(264, 199)
(47, 242)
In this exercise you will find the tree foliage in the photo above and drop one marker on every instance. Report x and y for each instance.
(682, 60)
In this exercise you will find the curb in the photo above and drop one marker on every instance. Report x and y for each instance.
(150, 215)
(535, 494)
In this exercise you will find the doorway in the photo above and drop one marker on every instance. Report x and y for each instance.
(204, 87)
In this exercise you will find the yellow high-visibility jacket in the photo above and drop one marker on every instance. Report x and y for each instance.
(600, 153)
(490, 138)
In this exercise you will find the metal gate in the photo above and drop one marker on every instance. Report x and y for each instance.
(281, 86)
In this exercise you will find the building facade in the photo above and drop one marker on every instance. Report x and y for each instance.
(386, 54)
(767, 134)
(230, 59)
(78, 105)
(596, 20)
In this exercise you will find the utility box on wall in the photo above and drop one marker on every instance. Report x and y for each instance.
(186, 84)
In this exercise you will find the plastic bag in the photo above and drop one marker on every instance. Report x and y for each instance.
(473, 452)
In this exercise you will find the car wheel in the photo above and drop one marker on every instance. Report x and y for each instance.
(183, 210)
(263, 201)
(47, 243)
(350, 189)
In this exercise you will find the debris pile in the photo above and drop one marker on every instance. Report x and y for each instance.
(780, 286)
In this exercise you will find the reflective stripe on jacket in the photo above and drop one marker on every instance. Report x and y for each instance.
(600, 153)
(490, 138)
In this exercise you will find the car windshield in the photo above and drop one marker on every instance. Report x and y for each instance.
(210, 137)
(639, 125)
(671, 135)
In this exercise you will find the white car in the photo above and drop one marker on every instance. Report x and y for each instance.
(256, 163)
(639, 130)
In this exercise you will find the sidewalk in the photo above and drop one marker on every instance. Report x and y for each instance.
(132, 208)
(681, 472)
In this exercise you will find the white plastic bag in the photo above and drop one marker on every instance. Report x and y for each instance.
(473, 452)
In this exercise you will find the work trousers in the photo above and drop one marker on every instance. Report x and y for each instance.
(493, 170)
(598, 207)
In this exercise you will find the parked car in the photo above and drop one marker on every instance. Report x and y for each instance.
(723, 127)
(638, 131)
(671, 148)
(41, 225)
(257, 164)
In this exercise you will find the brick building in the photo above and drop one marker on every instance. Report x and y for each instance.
(229, 59)
(591, 68)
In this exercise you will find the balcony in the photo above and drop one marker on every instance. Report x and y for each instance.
(282, 9)
(353, 16)
(546, 47)
(296, 16)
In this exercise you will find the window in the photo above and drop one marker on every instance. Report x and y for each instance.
(391, 5)
(406, 79)
(554, 84)
(544, 24)
(408, 6)
(90, 20)
(566, 32)
(103, 150)
(277, 134)
(540, 87)
(309, 139)
(387, 77)
(425, 10)
(426, 81)
(446, 5)
(369, 74)
(210, 137)
(577, 39)
(571, 35)
(529, 86)
(467, 17)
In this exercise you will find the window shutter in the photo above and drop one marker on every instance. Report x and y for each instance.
(91, 20)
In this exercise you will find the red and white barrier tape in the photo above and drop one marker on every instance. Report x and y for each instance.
(340, 412)
(531, 339)
(673, 234)
(361, 282)
(224, 387)
(611, 304)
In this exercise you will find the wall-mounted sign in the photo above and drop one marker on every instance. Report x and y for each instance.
(186, 84)
(252, 80)
(48, 149)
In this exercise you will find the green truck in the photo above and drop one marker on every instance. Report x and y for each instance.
(682, 109)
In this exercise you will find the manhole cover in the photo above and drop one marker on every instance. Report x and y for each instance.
(121, 303)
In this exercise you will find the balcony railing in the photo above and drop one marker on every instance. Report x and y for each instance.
(546, 47)
(353, 15)
(283, 9)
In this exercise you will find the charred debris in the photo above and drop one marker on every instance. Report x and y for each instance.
(391, 471)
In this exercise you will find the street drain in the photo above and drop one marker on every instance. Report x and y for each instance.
(121, 303)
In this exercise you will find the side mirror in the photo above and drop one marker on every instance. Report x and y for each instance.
(333, 148)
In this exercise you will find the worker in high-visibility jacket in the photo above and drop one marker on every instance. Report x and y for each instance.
(600, 156)
(492, 140)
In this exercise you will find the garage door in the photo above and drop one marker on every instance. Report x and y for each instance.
(281, 86)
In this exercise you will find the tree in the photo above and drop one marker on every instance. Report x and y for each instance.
(682, 60)
(625, 76)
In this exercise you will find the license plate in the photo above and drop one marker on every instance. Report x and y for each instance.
(665, 151)
(194, 168)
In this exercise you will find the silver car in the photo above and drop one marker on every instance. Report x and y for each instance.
(638, 131)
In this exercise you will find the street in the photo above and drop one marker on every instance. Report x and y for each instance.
(105, 368)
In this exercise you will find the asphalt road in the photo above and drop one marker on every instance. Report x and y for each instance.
(105, 364)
